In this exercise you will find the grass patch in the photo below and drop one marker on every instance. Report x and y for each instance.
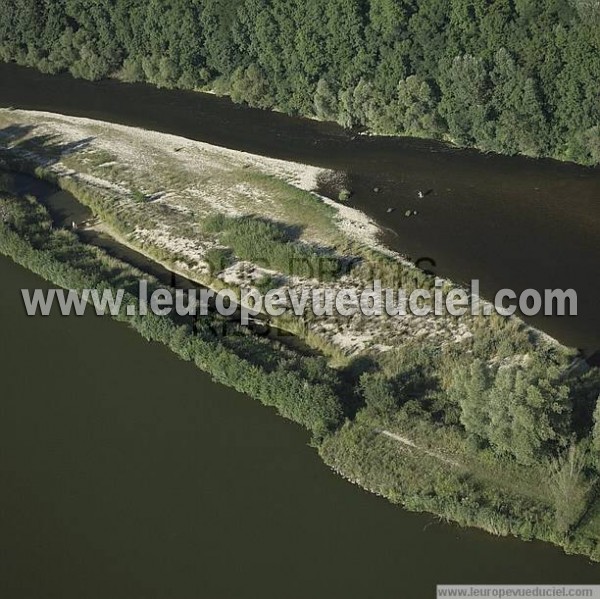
(274, 246)
(298, 207)
(218, 260)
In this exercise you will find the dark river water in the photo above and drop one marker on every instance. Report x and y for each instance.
(510, 222)
(125, 472)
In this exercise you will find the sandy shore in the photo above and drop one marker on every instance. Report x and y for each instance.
(185, 180)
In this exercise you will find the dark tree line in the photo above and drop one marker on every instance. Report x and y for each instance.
(511, 76)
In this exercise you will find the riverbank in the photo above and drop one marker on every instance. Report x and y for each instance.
(168, 186)
(424, 76)
(550, 208)
(154, 191)
(410, 389)
(240, 360)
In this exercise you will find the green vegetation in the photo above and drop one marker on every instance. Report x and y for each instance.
(426, 439)
(512, 405)
(300, 389)
(345, 195)
(522, 410)
(266, 283)
(495, 432)
(218, 260)
(503, 75)
(274, 246)
(138, 196)
(596, 434)
(570, 488)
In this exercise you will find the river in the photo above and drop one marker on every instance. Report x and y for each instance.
(128, 473)
(511, 222)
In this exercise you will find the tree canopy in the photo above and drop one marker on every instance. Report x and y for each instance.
(510, 76)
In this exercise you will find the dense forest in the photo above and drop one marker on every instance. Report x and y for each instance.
(509, 76)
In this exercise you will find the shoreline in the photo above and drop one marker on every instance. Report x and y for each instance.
(331, 446)
(445, 140)
(349, 221)
(234, 190)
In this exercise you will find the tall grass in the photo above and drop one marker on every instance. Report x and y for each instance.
(273, 246)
